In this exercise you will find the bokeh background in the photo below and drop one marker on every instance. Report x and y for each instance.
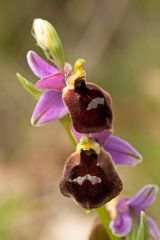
(120, 39)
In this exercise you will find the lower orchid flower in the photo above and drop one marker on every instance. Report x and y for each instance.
(52, 81)
(89, 175)
(120, 150)
(128, 209)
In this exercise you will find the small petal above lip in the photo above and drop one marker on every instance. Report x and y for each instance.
(54, 81)
(121, 227)
(39, 66)
(122, 152)
(144, 198)
(76, 134)
(49, 107)
(67, 69)
(100, 137)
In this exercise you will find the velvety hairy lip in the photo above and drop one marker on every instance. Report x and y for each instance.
(90, 107)
(90, 178)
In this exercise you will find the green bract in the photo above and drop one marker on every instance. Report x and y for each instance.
(29, 87)
(143, 233)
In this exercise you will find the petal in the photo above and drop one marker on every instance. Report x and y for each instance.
(100, 137)
(50, 107)
(39, 66)
(121, 227)
(122, 152)
(153, 229)
(67, 69)
(144, 198)
(76, 134)
(54, 81)
(122, 206)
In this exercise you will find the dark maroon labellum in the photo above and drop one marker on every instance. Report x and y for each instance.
(90, 178)
(89, 106)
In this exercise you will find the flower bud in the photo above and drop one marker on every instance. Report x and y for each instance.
(89, 177)
(48, 39)
(90, 107)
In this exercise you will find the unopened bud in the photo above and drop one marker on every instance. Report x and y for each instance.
(48, 39)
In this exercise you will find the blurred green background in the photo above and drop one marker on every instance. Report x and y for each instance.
(120, 39)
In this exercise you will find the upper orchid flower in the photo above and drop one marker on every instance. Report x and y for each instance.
(120, 150)
(52, 81)
(132, 207)
(90, 106)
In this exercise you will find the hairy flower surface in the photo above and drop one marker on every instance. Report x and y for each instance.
(89, 106)
(89, 176)
(120, 150)
(132, 207)
(52, 81)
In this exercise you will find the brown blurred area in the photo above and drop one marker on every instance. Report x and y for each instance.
(120, 39)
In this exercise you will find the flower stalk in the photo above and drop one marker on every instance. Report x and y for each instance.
(105, 219)
(66, 123)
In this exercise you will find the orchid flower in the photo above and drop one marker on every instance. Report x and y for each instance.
(120, 150)
(126, 209)
(84, 101)
(89, 175)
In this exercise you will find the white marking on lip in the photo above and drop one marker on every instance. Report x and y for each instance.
(93, 179)
(95, 102)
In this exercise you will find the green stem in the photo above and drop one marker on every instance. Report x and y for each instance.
(105, 219)
(66, 123)
(102, 212)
